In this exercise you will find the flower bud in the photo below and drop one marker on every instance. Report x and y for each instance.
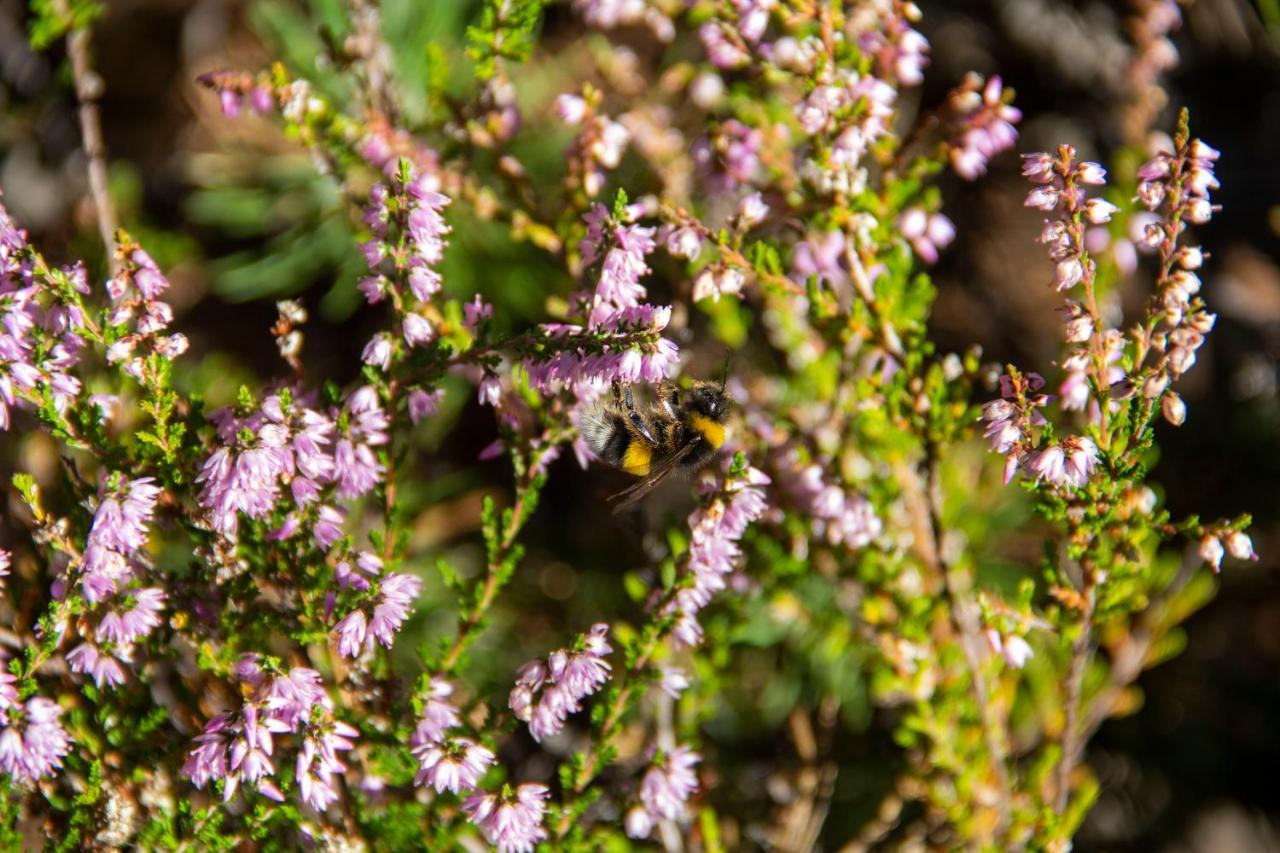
(1154, 385)
(1092, 173)
(1099, 210)
(1173, 409)
(1240, 546)
(1043, 198)
(1190, 258)
(752, 210)
(571, 109)
(1181, 359)
(684, 243)
(1211, 552)
(1199, 211)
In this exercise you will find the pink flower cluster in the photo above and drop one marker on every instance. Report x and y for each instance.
(837, 516)
(39, 340)
(32, 740)
(445, 763)
(716, 528)
(1178, 185)
(140, 318)
(239, 748)
(391, 602)
(546, 694)
(982, 125)
(621, 340)
(666, 787)
(318, 455)
(403, 269)
(512, 819)
(1009, 424)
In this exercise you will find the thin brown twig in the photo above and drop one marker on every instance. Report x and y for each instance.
(89, 89)
(1072, 742)
(965, 616)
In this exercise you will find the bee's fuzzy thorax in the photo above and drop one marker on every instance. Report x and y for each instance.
(712, 432)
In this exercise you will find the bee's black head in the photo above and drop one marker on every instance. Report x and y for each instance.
(709, 399)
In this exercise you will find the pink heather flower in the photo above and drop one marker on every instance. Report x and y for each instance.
(1240, 546)
(511, 821)
(983, 125)
(721, 51)
(378, 351)
(423, 403)
(120, 522)
(668, 783)
(820, 256)
(238, 748)
(131, 625)
(352, 631)
(571, 109)
(476, 312)
(730, 158)
(5, 559)
(32, 741)
(672, 681)
(8, 693)
(684, 243)
(417, 329)
(928, 233)
(456, 765)
(1017, 652)
(438, 714)
(638, 822)
(713, 549)
(103, 668)
(398, 592)
(490, 390)
(545, 695)
(1081, 459)
(1211, 552)
(317, 763)
(752, 210)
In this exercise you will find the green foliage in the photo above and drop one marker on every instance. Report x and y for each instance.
(507, 30)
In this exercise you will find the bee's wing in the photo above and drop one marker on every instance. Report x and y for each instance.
(660, 472)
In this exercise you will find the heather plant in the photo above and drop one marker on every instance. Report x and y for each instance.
(225, 633)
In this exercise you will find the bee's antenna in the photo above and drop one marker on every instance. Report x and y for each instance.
(724, 374)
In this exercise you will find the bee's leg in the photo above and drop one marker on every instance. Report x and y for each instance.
(644, 430)
(616, 387)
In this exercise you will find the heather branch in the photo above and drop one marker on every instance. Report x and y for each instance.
(88, 90)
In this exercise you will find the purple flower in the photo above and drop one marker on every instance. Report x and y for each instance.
(668, 783)
(512, 820)
(129, 626)
(927, 232)
(438, 714)
(455, 765)
(32, 741)
(713, 549)
(423, 403)
(238, 748)
(317, 763)
(545, 695)
(351, 633)
(398, 592)
(120, 522)
(103, 668)
(982, 125)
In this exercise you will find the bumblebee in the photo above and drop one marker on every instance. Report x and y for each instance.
(679, 430)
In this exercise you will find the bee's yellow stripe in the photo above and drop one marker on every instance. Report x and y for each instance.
(637, 458)
(712, 431)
